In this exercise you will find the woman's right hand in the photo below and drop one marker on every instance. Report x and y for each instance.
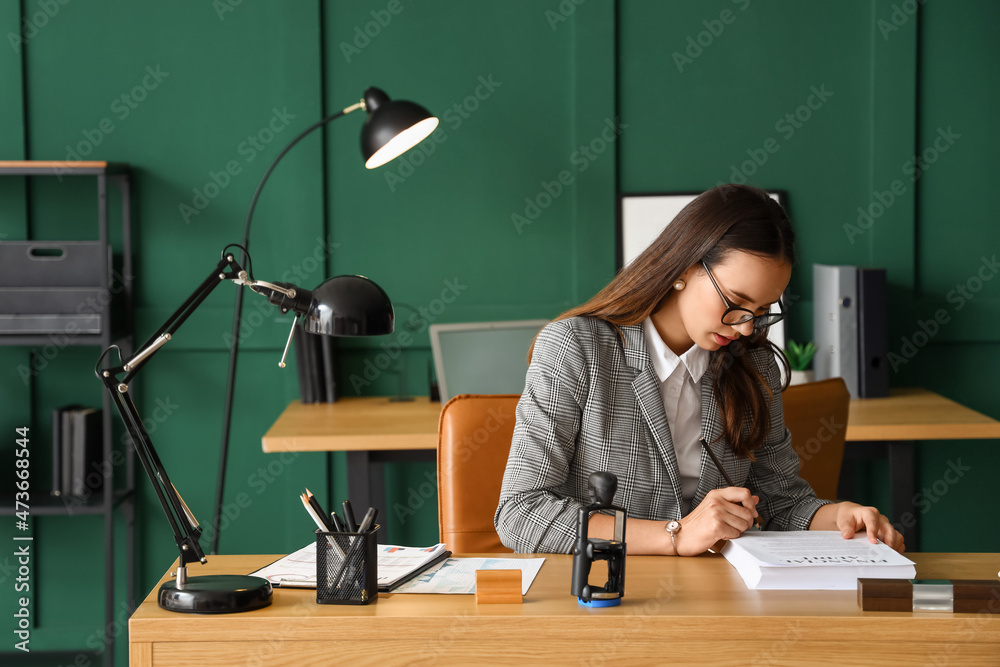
(722, 515)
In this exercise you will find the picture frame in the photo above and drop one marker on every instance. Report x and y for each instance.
(643, 215)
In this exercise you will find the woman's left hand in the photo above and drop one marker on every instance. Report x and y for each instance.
(852, 518)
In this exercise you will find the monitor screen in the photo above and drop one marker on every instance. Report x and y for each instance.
(482, 357)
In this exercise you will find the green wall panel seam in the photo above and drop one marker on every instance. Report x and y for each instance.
(891, 221)
(594, 67)
(917, 71)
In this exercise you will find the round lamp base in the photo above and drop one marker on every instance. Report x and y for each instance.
(216, 594)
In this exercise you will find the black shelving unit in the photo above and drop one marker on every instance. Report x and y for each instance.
(110, 498)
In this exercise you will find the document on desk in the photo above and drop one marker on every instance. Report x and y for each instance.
(395, 564)
(458, 575)
(812, 560)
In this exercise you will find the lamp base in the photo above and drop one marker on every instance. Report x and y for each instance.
(216, 594)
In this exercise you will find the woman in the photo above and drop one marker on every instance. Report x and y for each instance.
(672, 352)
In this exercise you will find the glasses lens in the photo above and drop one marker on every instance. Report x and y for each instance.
(764, 321)
(737, 316)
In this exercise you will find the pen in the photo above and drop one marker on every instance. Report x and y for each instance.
(338, 526)
(718, 464)
(355, 551)
(369, 519)
(349, 522)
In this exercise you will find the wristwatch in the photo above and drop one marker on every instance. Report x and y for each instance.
(674, 527)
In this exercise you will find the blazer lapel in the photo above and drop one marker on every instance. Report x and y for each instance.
(647, 392)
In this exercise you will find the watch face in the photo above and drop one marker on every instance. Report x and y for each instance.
(673, 526)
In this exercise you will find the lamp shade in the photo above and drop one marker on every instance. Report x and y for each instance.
(349, 306)
(392, 128)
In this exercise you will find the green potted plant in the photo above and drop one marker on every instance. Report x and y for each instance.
(799, 358)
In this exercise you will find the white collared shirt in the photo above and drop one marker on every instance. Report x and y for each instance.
(681, 393)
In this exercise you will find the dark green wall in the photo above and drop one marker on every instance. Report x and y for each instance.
(898, 82)
(558, 75)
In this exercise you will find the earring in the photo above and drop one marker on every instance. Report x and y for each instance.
(679, 285)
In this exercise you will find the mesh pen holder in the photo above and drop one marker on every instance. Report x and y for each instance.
(347, 567)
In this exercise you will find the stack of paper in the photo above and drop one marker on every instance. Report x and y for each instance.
(812, 560)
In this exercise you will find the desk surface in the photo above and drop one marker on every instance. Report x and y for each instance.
(355, 423)
(917, 414)
(375, 423)
(687, 608)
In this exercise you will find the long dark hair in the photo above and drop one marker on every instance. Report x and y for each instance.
(724, 219)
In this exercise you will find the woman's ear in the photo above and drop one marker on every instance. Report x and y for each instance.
(691, 272)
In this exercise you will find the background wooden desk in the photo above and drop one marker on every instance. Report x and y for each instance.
(888, 428)
(373, 430)
(677, 610)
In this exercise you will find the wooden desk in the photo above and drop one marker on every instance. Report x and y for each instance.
(676, 610)
(888, 428)
(373, 430)
(916, 414)
(372, 423)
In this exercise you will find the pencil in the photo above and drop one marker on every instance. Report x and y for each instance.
(320, 512)
(321, 524)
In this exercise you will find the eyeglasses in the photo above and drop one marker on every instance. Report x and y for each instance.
(735, 315)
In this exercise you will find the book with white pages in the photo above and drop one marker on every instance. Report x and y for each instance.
(812, 560)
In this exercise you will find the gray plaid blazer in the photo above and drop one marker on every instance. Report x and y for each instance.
(592, 402)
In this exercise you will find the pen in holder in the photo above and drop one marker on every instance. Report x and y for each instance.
(346, 567)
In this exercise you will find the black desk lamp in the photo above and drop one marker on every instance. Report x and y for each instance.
(341, 306)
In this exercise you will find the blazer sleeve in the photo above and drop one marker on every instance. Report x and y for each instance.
(532, 516)
(787, 500)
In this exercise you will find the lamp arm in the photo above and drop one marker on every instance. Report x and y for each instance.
(182, 522)
(116, 382)
(174, 322)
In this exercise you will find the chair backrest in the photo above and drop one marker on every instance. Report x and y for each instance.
(475, 432)
(474, 437)
(816, 416)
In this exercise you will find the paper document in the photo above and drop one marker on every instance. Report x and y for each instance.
(395, 563)
(298, 569)
(812, 560)
(458, 575)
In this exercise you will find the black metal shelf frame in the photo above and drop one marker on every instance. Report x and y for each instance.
(109, 499)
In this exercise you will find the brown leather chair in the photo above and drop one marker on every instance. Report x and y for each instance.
(474, 437)
(816, 416)
(475, 432)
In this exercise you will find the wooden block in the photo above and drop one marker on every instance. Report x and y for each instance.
(885, 594)
(498, 587)
(976, 589)
(977, 596)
